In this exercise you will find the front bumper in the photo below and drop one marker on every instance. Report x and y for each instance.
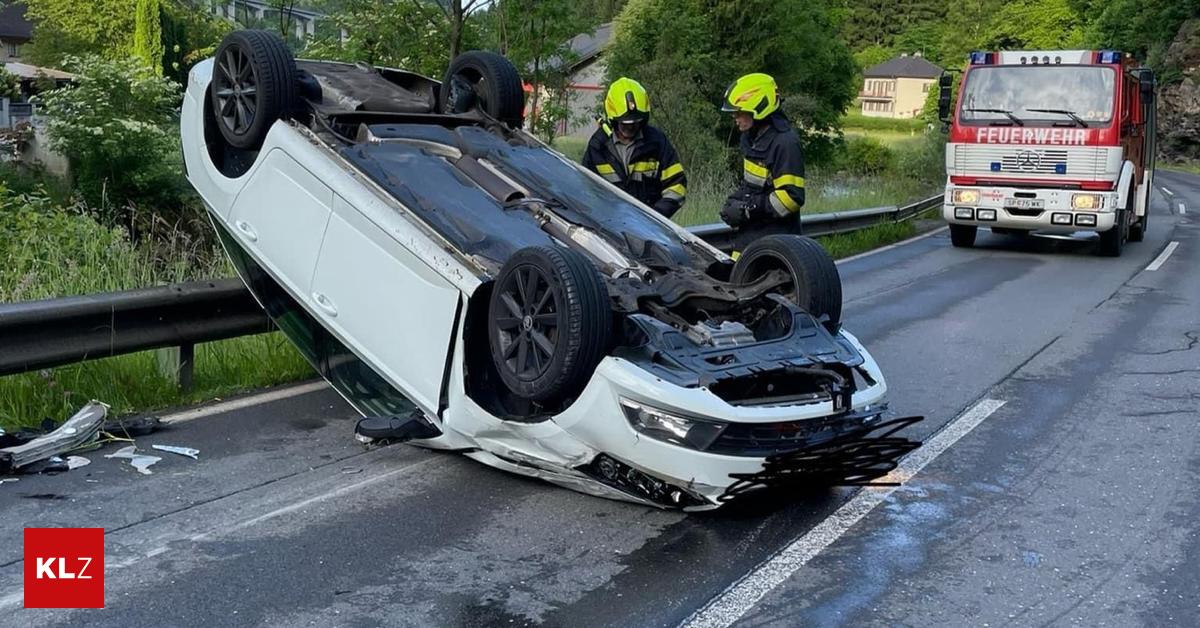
(1056, 216)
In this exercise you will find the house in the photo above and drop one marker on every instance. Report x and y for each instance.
(15, 30)
(585, 89)
(265, 14)
(897, 88)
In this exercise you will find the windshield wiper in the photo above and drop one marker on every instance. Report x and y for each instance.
(1077, 119)
(1017, 121)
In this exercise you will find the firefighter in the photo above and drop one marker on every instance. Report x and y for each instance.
(771, 192)
(633, 155)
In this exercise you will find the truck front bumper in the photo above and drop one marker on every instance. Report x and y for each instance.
(1055, 216)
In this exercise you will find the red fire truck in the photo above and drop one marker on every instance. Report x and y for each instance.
(1053, 142)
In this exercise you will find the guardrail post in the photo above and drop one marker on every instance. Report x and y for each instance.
(177, 364)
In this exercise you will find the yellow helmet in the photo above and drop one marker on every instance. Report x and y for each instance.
(627, 101)
(756, 94)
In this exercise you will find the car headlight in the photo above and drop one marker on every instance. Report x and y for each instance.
(671, 427)
(1087, 201)
(969, 197)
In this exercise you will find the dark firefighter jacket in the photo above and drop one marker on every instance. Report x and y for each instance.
(773, 166)
(652, 172)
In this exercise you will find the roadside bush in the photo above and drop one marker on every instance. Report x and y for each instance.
(856, 120)
(117, 128)
(864, 155)
(923, 161)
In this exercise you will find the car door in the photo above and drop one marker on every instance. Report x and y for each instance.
(391, 307)
(281, 215)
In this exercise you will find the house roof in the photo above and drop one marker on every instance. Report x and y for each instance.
(588, 46)
(905, 66)
(13, 24)
(26, 71)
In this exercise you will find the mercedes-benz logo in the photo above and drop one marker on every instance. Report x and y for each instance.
(1029, 160)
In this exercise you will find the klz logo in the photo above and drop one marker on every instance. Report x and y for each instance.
(64, 567)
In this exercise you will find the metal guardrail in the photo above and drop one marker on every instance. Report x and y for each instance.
(54, 332)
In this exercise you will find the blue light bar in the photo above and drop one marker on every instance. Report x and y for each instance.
(1110, 56)
(981, 58)
(1060, 168)
(995, 166)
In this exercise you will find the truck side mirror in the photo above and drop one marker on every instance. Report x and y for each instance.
(1146, 84)
(945, 89)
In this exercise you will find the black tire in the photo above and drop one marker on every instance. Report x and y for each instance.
(1137, 231)
(1113, 240)
(569, 309)
(253, 85)
(963, 236)
(816, 285)
(487, 81)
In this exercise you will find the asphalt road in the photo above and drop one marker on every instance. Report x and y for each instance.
(1073, 503)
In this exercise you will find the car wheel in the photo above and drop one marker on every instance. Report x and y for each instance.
(253, 85)
(550, 323)
(963, 236)
(816, 285)
(486, 81)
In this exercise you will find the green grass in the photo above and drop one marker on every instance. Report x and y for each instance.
(856, 120)
(572, 147)
(1183, 166)
(131, 383)
(51, 251)
(853, 243)
(891, 139)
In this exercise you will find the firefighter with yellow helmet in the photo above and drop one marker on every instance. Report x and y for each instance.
(772, 186)
(633, 155)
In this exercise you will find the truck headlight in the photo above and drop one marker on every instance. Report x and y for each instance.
(1087, 201)
(671, 427)
(966, 197)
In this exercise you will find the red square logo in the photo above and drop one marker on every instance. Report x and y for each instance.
(64, 567)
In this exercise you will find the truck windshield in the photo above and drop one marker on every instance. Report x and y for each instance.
(1085, 91)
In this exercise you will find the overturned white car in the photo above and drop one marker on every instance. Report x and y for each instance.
(473, 290)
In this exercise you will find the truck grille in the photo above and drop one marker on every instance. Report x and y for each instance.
(1031, 162)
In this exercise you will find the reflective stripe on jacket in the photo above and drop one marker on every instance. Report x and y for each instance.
(773, 162)
(652, 174)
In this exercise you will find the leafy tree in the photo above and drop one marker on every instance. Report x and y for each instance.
(687, 52)
(880, 22)
(147, 34)
(872, 55)
(190, 34)
(1035, 24)
(117, 128)
(62, 28)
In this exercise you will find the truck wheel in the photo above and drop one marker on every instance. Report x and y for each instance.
(1137, 231)
(816, 285)
(486, 81)
(253, 85)
(1113, 240)
(550, 323)
(963, 236)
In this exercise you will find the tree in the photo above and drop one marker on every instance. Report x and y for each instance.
(1036, 25)
(147, 35)
(687, 52)
(283, 13)
(61, 28)
(117, 128)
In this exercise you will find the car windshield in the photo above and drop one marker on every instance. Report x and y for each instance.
(1086, 91)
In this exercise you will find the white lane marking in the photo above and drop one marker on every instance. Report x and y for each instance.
(17, 597)
(890, 246)
(1162, 257)
(244, 402)
(1168, 192)
(741, 596)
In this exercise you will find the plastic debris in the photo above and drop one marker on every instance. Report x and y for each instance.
(78, 430)
(74, 462)
(136, 426)
(141, 462)
(194, 454)
(4, 480)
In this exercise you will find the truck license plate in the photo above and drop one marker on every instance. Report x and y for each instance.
(1025, 203)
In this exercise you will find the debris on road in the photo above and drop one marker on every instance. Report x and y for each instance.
(76, 431)
(74, 462)
(4, 480)
(134, 426)
(194, 454)
(141, 462)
